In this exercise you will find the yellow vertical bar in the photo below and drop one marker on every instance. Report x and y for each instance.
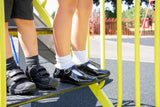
(88, 43)
(101, 96)
(2, 57)
(157, 52)
(137, 53)
(43, 13)
(119, 51)
(96, 88)
(102, 33)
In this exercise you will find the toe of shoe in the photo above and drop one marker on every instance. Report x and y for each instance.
(23, 88)
(53, 83)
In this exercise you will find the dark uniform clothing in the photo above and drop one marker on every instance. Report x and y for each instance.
(22, 9)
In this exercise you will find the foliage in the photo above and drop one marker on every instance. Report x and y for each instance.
(53, 14)
(128, 2)
(114, 2)
(130, 13)
(110, 14)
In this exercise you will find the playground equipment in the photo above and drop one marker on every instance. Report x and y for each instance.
(2, 58)
(96, 88)
(143, 24)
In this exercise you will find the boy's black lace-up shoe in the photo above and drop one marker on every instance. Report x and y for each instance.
(74, 76)
(17, 82)
(88, 69)
(39, 75)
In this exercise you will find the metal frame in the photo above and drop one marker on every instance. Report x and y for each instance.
(2, 57)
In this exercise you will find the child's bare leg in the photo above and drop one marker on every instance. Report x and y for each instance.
(27, 36)
(62, 26)
(62, 39)
(28, 40)
(80, 24)
(80, 30)
(8, 43)
(79, 36)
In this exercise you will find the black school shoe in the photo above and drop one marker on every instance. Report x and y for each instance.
(93, 72)
(68, 76)
(17, 82)
(39, 75)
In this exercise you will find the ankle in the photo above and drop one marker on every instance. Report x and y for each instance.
(64, 62)
(79, 57)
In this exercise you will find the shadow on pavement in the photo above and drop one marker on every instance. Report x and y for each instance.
(130, 103)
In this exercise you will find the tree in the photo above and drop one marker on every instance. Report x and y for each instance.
(130, 13)
(114, 2)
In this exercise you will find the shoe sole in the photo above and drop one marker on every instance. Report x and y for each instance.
(41, 86)
(79, 84)
(102, 76)
(22, 92)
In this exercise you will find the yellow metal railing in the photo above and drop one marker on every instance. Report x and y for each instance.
(137, 53)
(157, 53)
(96, 88)
(42, 12)
(119, 52)
(2, 57)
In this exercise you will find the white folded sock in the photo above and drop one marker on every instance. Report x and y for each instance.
(64, 62)
(79, 57)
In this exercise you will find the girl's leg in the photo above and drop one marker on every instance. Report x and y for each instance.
(79, 37)
(80, 24)
(62, 39)
(80, 30)
(62, 26)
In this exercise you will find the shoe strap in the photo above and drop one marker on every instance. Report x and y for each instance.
(36, 72)
(60, 73)
(14, 76)
(18, 77)
(12, 73)
(42, 71)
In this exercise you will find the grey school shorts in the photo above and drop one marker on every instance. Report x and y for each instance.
(22, 9)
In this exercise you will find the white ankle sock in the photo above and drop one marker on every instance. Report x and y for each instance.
(79, 57)
(64, 62)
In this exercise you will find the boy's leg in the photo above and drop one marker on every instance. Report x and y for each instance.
(79, 37)
(21, 85)
(17, 82)
(28, 40)
(8, 43)
(27, 36)
(10, 62)
(23, 17)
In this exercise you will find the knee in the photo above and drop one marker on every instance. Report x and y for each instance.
(68, 6)
(85, 7)
(22, 22)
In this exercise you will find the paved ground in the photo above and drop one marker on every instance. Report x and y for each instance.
(85, 98)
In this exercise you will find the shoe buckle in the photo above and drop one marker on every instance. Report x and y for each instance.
(67, 71)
